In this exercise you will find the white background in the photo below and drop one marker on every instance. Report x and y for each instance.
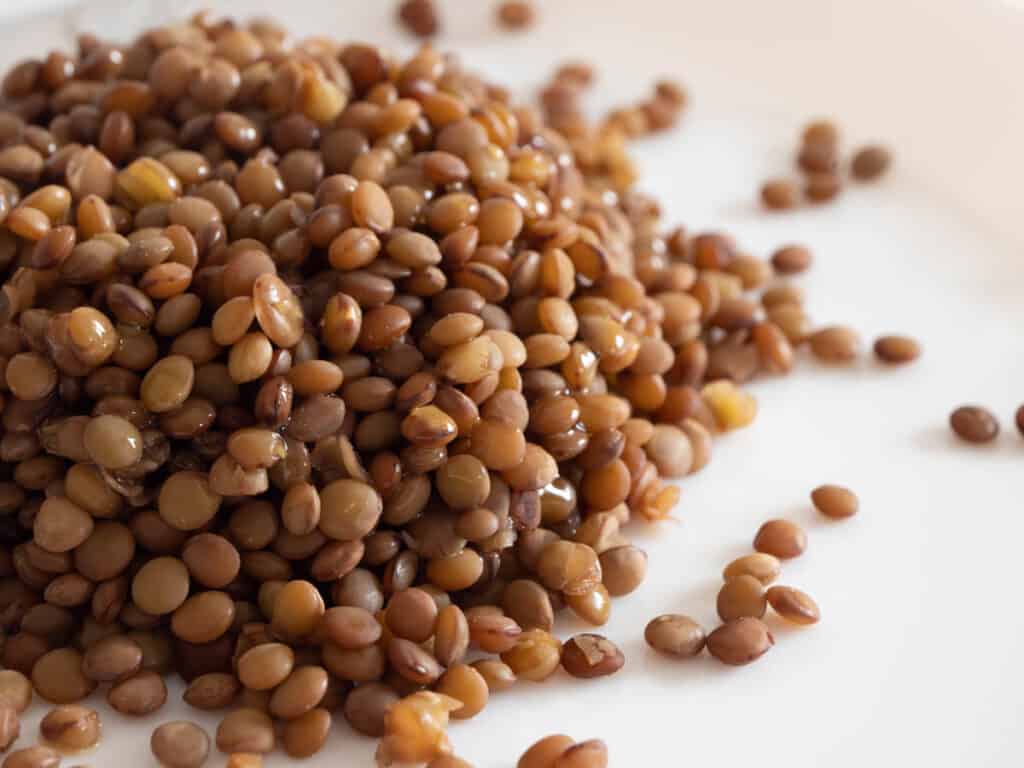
(917, 660)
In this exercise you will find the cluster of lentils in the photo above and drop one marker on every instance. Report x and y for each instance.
(327, 380)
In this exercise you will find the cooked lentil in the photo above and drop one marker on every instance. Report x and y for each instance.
(740, 641)
(70, 727)
(974, 424)
(793, 605)
(897, 350)
(870, 163)
(180, 744)
(835, 501)
(781, 538)
(675, 635)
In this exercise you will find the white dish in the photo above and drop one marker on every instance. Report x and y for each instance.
(917, 660)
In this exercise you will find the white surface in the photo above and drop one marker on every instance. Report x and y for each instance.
(917, 660)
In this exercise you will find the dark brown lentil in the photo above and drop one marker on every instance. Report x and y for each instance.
(974, 424)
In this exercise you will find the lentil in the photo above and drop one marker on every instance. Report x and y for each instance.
(897, 350)
(870, 163)
(780, 194)
(246, 730)
(740, 641)
(675, 635)
(543, 753)
(180, 744)
(793, 605)
(590, 656)
(33, 757)
(763, 567)
(835, 344)
(742, 595)
(10, 727)
(974, 424)
(515, 14)
(791, 259)
(70, 727)
(781, 538)
(835, 501)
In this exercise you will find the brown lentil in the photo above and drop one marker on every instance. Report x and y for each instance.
(70, 727)
(742, 595)
(835, 501)
(419, 17)
(781, 538)
(793, 605)
(897, 350)
(589, 656)
(246, 730)
(835, 344)
(780, 194)
(10, 727)
(516, 14)
(534, 656)
(180, 744)
(545, 752)
(33, 757)
(791, 259)
(213, 690)
(140, 694)
(366, 707)
(15, 690)
(301, 691)
(763, 567)
(265, 666)
(466, 685)
(870, 163)
(740, 641)
(57, 677)
(675, 635)
(974, 424)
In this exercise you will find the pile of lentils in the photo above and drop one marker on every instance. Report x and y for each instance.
(329, 379)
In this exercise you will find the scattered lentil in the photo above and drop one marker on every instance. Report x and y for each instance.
(835, 501)
(897, 350)
(781, 538)
(974, 424)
